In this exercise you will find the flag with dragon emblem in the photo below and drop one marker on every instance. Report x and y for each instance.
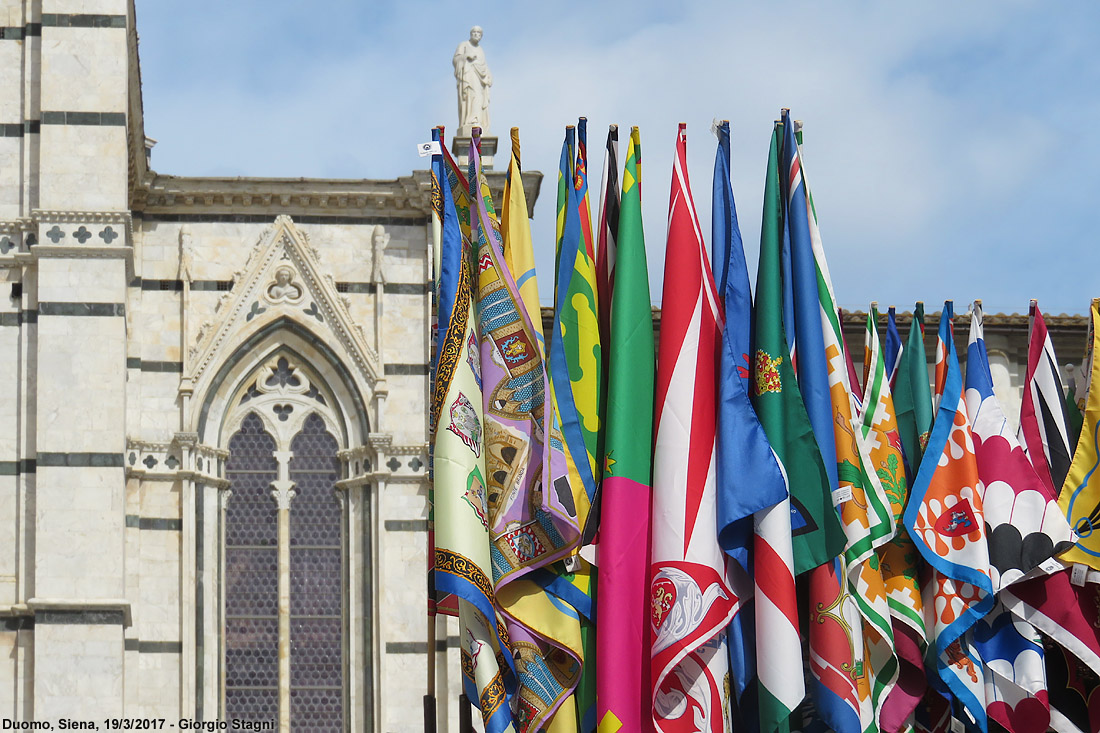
(945, 520)
(691, 598)
(462, 563)
(837, 653)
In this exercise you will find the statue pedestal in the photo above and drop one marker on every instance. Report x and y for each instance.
(460, 149)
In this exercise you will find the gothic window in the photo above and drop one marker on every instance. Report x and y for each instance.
(284, 535)
(316, 583)
(251, 577)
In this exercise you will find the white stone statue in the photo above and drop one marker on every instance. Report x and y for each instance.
(379, 239)
(186, 253)
(473, 79)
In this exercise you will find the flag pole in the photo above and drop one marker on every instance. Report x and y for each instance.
(465, 720)
(429, 693)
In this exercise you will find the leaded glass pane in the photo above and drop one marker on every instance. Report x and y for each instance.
(251, 448)
(251, 518)
(323, 666)
(251, 577)
(251, 652)
(258, 705)
(318, 711)
(316, 583)
(316, 577)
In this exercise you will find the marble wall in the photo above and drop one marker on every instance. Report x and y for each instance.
(110, 486)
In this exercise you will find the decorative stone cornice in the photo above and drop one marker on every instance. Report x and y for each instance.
(17, 226)
(413, 449)
(408, 197)
(92, 605)
(49, 216)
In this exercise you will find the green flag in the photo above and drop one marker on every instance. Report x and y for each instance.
(816, 532)
(913, 395)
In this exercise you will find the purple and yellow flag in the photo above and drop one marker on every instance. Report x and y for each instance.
(530, 528)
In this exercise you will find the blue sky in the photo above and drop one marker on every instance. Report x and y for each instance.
(950, 146)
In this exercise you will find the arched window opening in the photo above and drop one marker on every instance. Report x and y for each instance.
(251, 577)
(285, 581)
(316, 583)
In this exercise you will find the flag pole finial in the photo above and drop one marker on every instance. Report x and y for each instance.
(515, 143)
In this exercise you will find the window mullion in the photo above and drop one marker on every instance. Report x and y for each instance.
(283, 491)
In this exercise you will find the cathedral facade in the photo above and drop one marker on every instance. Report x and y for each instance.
(213, 461)
(213, 467)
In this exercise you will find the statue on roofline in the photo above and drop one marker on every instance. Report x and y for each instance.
(473, 79)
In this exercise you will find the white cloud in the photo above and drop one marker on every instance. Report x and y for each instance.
(935, 134)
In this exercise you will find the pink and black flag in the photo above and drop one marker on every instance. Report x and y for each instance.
(1024, 529)
(1044, 430)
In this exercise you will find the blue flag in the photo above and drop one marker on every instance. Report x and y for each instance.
(749, 478)
(811, 363)
(891, 348)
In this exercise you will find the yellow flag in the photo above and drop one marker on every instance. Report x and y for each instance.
(515, 230)
(1080, 497)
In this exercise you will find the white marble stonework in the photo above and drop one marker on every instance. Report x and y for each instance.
(147, 308)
